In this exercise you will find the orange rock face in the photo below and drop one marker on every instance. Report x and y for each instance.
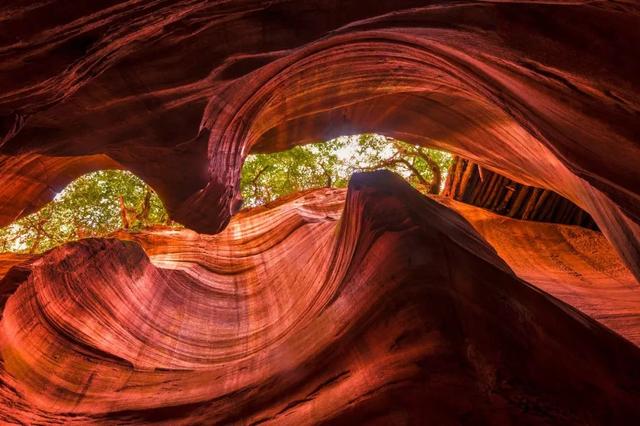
(394, 309)
(180, 93)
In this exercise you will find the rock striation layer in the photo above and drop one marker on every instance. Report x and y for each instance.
(378, 306)
(544, 92)
(393, 310)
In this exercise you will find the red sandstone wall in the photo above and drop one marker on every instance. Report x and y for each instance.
(395, 311)
(180, 93)
(398, 312)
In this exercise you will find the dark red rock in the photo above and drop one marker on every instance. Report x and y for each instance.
(180, 93)
(398, 312)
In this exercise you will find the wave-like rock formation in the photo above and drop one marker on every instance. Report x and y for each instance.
(391, 309)
(394, 311)
(545, 92)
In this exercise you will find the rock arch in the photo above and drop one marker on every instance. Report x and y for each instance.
(406, 308)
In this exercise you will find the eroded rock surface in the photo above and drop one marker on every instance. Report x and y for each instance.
(179, 93)
(395, 310)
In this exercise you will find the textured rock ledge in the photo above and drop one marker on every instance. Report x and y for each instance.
(396, 310)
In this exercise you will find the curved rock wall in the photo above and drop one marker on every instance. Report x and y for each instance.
(395, 311)
(544, 92)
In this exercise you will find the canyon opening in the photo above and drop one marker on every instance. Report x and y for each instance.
(319, 212)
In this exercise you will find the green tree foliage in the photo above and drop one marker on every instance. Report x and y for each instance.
(95, 204)
(99, 203)
(266, 177)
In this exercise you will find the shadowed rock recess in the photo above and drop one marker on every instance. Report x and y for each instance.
(374, 305)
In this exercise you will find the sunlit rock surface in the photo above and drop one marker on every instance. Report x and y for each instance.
(180, 92)
(393, 310)
(574, 264)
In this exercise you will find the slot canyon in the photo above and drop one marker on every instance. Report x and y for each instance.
(510, 298)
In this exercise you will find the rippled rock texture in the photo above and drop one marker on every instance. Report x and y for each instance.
(180, 92)
(395, 310)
